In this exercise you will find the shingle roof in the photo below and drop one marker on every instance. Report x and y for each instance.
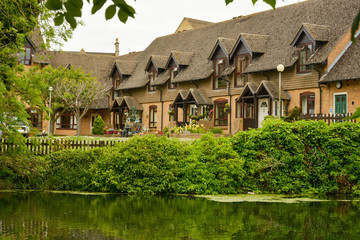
(126, 67)
(181, 58)
(199, 96)
(255, 42)
(128, 101)
(273, 90)
(99, 65)
(40, 54)
(281, 26)
(318, 32)
(158, 61)
(250, 86)
(161, 79)
(347, 67)
(191, 24)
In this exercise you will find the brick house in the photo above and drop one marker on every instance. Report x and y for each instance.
(228, 69)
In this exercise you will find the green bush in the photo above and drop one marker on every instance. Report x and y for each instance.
(99, 125)
(216, 130)
(303, 157)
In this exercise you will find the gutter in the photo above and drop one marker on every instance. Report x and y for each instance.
(319, 77)
(230, 98)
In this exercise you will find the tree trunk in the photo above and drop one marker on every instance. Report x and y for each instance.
(52, 126)
(78, 123)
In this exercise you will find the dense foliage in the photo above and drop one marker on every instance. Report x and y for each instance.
(301, 157)
(99, 125)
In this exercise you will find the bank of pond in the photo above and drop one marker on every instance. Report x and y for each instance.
(304, 157)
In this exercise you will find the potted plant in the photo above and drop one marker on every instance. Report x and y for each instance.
(171, 112)
(227, 108)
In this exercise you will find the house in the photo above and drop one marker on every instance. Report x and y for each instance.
(229, 69)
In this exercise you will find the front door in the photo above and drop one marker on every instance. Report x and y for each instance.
(263, 111)
(340, 104)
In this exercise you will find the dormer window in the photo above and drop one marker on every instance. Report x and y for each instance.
(219, 67)
(25, 58)
(152, 77)
(173, 73)
(241, 63)
(304, 53)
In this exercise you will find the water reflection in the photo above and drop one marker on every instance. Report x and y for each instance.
(32, 215)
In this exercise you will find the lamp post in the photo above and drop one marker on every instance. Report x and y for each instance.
(50, 90)
(280, 69)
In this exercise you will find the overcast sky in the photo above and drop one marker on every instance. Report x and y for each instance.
(154, 18)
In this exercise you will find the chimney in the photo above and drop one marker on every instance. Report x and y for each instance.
(117, 47)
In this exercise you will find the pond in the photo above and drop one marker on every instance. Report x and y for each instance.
(47, 215)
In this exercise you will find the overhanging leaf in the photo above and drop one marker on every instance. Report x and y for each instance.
(77, 3)
(125, 7)
(355, 26)
(254, 1)
(72, 9)
(272, 3)
(110, 12)
(59, 19)
(71, 20)
(228, 1)
(53, 4)
(123, 16)
(98, 4)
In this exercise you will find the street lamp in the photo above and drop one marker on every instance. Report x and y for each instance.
(50, 90)
(280, 69)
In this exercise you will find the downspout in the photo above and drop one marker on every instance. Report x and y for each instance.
(229, 100)
(162, 108)
(196, 86)
(319, 76)
(109, 108)
(267, 76)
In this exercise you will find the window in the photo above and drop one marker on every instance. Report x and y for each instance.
(35, 118)
(304, 54)
(25, 58)
(307, 103)
(242, 62)
(153, 117)
(248, 111)
(66, 121)
(152, 77)
(221, 117)
(219, 67)
(173, 74)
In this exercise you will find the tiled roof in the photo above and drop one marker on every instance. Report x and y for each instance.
(347, 67)
(99, 65)
(280, 26)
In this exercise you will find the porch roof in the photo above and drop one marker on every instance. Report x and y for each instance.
(199, 97)
(128, 101)
(272, 90)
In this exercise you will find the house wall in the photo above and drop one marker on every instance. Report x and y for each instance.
(350, 87)
(85, 123)
(339, 47)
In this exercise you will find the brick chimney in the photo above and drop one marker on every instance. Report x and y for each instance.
(117, 47)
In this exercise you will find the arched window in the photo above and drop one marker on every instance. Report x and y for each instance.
(153, 116)
(307, 102)
(220, 115)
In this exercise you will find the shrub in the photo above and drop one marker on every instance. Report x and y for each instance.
(216, 130)
(99, 125)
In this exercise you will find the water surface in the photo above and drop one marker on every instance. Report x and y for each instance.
(35, 215)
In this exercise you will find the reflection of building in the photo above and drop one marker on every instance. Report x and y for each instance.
(228, 69)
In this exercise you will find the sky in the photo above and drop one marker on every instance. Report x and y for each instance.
(153, 18)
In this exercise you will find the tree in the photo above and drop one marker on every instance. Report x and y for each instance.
(99, 125)
(71, 9)
(78, 92)
(39, 80)
(18, 20)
